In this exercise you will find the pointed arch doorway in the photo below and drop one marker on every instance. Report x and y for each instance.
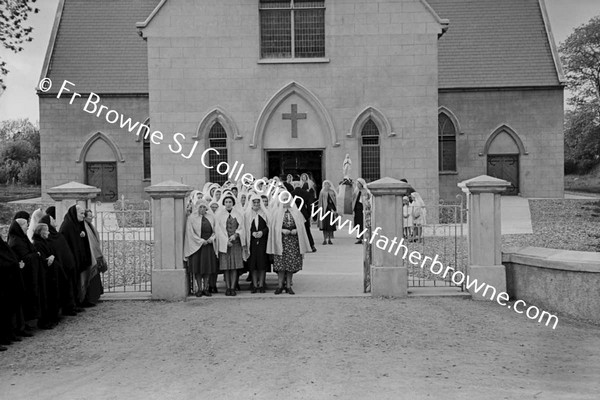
(503, 150)
(99, 156)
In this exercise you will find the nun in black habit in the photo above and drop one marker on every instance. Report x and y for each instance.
(73, 229)
(11, 293)
(67, 274)
(30, 274)
(49, 270)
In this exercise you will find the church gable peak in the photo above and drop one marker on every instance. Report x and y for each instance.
(273, 106)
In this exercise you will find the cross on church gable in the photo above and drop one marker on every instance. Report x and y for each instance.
(294, 116)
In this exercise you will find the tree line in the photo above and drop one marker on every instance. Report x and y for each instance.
(20, 152)
(580, 55)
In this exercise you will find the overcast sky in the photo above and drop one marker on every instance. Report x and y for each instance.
(20, 101)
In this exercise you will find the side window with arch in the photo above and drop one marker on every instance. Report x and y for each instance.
(446, 143)
(217, 139)
(370, 152)
(146, 155)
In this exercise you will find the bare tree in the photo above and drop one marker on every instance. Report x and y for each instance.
(13, 32)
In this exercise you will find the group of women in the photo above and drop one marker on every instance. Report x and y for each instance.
(231, 230)
(45, 273)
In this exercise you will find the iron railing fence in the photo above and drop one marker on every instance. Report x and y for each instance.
(127, 238)
(444, 234)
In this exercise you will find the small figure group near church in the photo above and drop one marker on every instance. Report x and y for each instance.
(47, 273)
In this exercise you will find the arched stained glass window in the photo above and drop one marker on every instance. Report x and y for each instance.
(446, 143)
(369, 152)
(217, 139)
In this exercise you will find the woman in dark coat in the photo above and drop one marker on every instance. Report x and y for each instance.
(11, 293)
(360, 196)
(67, 274)
(49, 270)
(30, 274)
(73, 229)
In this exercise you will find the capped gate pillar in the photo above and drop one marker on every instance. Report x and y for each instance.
(168, 276)
(70, 194)
(389, 276)
(484, 238)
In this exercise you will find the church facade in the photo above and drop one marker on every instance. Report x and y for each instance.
(432, 91)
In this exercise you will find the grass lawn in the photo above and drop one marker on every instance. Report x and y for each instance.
(583, 183)
(19, 192)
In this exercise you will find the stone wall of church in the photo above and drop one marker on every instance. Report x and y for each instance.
(379, 54)
(536, 116)
(65, 128)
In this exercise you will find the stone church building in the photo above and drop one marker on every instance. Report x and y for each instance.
(434, 91)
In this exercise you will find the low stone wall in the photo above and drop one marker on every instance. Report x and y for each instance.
(559, 281)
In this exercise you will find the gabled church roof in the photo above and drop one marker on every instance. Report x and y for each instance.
(489, 43)
(97, 46)
(496, 43)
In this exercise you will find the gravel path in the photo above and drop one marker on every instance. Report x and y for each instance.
(561, 224)
(303, 348)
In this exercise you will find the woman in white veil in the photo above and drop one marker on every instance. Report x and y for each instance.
(257, 230)
(35, 220)
(287, 242)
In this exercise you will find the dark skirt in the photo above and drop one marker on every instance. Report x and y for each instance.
(259, 260)
(326, 223)
(94, 290)
(32, 290)
(204, 261)
(358, 214)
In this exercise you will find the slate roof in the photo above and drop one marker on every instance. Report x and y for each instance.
(494, 43)
(98, 47)
(490, 43)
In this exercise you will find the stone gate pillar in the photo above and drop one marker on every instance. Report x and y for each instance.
(389, 276)
(484, 237)
(168, 211)
(70, 194)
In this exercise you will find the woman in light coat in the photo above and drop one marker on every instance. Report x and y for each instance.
(287, 242)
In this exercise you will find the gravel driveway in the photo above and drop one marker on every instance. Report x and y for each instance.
(304, 348)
